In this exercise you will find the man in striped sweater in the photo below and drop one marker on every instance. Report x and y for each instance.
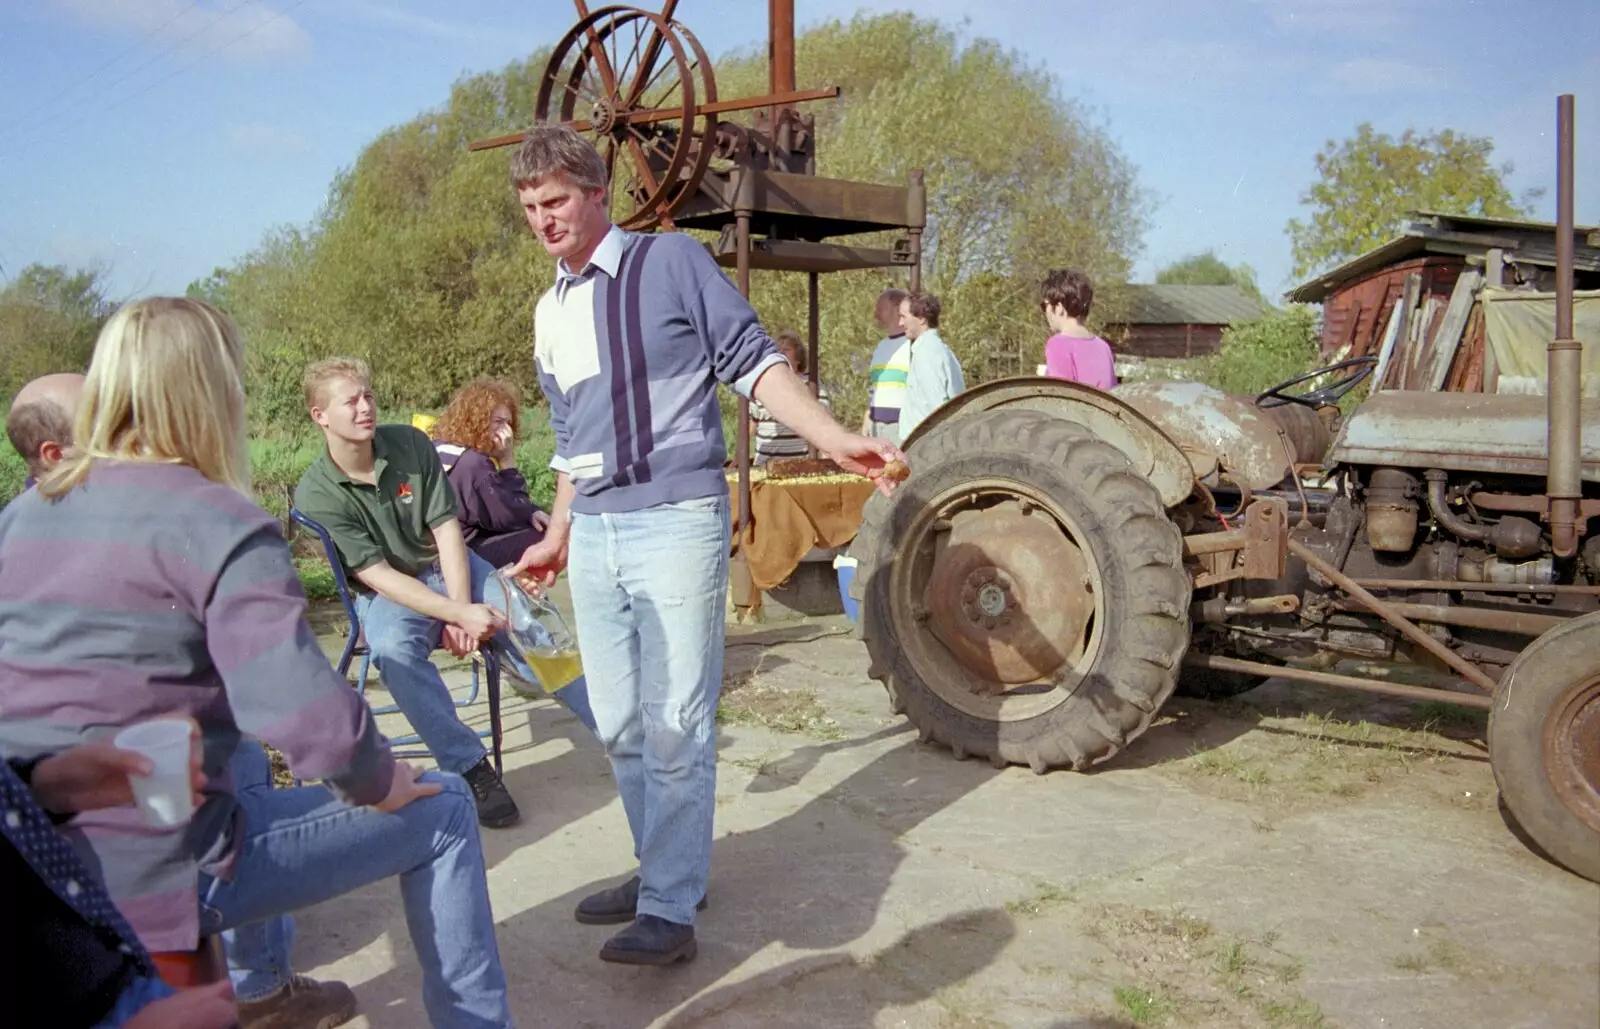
(630, 344)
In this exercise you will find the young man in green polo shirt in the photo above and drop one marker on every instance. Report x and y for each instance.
(381, 494)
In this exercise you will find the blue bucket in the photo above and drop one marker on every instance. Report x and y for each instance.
(845, 567)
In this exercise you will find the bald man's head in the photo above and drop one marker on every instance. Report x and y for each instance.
(39, 423)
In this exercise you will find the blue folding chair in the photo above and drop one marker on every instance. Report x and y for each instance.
(355, 644)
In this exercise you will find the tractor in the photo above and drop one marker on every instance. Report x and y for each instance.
(1062, 559)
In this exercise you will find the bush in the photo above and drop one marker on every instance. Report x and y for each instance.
(1260, 354)
(13, 473)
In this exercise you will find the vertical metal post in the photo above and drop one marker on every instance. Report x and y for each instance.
(813, 335)
(780, 67)
(916, 220)
(1563, 391)
(743, 202)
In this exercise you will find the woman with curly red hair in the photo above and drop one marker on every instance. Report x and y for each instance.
(476, 438)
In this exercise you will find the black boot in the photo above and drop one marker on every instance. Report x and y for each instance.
(651, 941)
(496, 809)
(616, 905)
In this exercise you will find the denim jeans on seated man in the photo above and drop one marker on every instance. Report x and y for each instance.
(301, 846)
(649, 590)
(403, 641)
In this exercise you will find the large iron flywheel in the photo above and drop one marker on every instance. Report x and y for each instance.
(633, 82)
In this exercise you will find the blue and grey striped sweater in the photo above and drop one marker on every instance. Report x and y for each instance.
(629, 353)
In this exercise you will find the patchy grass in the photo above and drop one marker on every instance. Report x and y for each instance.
(1441, 955)
(1231, 765)
(1444, 717)
(1147, 1007)
(747, 701)
(1044, 897)
(1189, 974)
(1286, 761)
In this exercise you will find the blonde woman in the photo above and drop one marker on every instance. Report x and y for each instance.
(139, 581)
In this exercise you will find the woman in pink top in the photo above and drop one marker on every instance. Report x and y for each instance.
(1074, 352)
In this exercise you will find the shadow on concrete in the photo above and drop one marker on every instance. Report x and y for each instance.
(814, 879)
(847, 991)
(790, 770)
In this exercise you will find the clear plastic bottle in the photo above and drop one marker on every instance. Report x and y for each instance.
(540, 635)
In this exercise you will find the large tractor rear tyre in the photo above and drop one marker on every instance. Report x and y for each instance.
(1544, 743)
(1023, 592)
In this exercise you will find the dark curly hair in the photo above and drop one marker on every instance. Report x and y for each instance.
(1071, 289)
(466, 421)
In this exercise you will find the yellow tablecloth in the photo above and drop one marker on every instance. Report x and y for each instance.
(789, 518)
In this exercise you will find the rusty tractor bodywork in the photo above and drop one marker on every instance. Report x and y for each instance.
(1062, 560)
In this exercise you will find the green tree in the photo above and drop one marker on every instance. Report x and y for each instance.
(421, 263)
(1369, 183)
(1207, 269)
(49, 317)
(1261, 353)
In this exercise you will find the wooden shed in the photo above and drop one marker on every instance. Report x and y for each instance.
(1434, 250)
(1180, 321)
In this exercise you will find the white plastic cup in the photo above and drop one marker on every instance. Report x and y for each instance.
(165, 796)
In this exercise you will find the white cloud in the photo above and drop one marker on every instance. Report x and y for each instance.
(1385, 75)
(248, 30)
(267, 140)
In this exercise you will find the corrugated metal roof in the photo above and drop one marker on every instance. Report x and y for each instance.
(1190, 305)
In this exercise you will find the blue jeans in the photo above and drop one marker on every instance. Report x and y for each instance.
(302, 846)
(402, 642)
(649, 590)
(257, 952)
(134, 998)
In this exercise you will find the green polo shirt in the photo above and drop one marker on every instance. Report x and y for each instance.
(392, 521)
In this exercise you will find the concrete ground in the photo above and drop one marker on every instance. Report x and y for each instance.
(1295, 858)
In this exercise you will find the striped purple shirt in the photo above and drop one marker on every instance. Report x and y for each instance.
(148, 592)
(629, 353)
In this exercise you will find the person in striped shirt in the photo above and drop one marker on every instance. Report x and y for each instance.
(891, 364)
(630, 344)
(139, 580)
(772, 438)
(259, 967)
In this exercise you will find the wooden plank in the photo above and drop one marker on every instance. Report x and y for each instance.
(1408, 329)
(1472, 377)
(1391, 334)
(1494, 267)
(1416, 342)
(1491, 367)
(1448, 338)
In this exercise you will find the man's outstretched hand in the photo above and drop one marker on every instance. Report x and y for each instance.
(541, 563)
(876, 459)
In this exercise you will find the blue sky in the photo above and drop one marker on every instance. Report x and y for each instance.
(163, 138)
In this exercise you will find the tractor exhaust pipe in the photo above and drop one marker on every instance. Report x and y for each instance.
(1563, 392)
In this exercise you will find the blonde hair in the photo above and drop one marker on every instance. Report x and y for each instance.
(165, 386)
(319, 375)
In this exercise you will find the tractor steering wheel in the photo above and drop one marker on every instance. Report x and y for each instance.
(1329, 394)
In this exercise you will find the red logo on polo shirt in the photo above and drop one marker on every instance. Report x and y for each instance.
(403, 494)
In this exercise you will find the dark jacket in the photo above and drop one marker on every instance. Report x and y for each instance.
(489, 501)
(65, 947)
